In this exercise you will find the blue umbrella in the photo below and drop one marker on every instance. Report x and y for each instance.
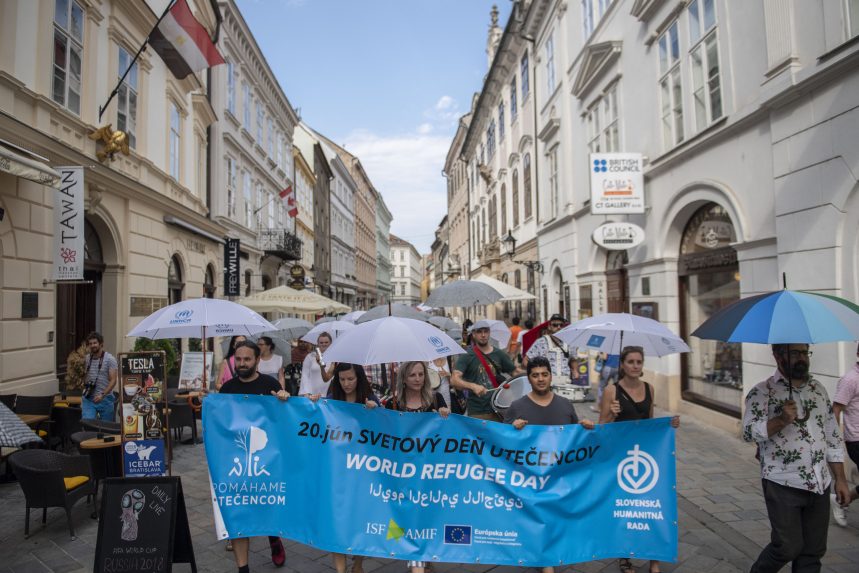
(784, 317)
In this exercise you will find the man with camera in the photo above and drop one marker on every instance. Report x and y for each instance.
(98, 400)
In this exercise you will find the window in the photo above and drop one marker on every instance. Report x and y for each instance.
(126, 104)
(503, 209)
(704, 56)
(246, 102)
(853, 17)
(280, 151)
(592, 13)
(231, 88)
(403, 289)
(603, 134)
(670, 88)
(526, 175)
(270, 131)
(493, 216)
(402, 255)
(514, 199)
(174, 141)
(490, 140)
(523, 71)
(231, 187)
(501, 120)
(554, 188)
(260, 119)
(249, 200)
(68, 49)
(550, 65)
(513, 107)
(259, 205)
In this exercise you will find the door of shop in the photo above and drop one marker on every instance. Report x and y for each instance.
(617, 291)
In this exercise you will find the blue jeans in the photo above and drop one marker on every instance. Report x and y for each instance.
(104, 410)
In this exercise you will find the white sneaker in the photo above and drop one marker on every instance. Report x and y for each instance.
(838, 512)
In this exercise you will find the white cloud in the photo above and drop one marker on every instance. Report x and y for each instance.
(445, 113)
(445, 102)
(406, 169)
(424, 128)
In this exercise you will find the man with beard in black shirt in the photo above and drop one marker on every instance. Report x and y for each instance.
(249, 381)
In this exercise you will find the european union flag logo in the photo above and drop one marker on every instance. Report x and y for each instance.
(457, 535)
(595, 341)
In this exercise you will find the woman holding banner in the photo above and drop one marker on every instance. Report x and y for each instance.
(315, 374)
(630, 398)
(413, 393)
(350, 384)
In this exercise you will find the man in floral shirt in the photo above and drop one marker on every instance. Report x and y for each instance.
(801, 451)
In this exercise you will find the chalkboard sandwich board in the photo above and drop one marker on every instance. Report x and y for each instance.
(143, 526)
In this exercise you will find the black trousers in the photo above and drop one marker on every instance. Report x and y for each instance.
(800, 523)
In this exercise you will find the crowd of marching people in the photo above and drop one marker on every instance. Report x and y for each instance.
(799, 492)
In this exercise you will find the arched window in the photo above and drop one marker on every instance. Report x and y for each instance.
(514, 199)
(248, 283)
(209, 282)
(526, 174)
(175, 284)
(493, 217)
(503, 210)
(709, 280)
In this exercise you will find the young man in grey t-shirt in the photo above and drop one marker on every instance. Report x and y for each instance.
(540, 407)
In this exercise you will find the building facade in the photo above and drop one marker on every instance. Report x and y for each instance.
(310, 148)
(743, 121)
(305, 182)
(383, 249)
(149, 240)
(407, 272)
(458, 220)
(252, 153)
(498, 148)
(365, 231)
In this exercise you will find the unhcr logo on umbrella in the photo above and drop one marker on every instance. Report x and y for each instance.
(182, 317)
(438, 343)
(223, 329)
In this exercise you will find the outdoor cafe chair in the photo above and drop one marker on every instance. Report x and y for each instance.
(51, 479)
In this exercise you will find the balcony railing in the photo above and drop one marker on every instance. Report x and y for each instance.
(280, 243)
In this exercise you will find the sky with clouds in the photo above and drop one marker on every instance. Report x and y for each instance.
(388, 79)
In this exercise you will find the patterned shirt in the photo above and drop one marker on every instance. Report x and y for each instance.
(559, 362)
(796, 456)
(98, 372)
(847, 394)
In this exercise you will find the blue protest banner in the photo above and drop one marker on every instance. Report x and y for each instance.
(344, 478)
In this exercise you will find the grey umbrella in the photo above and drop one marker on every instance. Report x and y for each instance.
(400, 310)
(13, 432)
(325, 319)
(444, 323)
(462, 293)
(290, 328)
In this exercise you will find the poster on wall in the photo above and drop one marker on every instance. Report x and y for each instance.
(142, 378)
(69, 225)
(617, 183)
(191, 373)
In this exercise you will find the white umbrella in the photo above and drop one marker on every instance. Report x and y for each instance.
(400, 310)
(289, 328)
(285, 299)
(508, 292)
(498, 331)
(190, 319)
(353, 316)
(462, 293)
(611, 332)
(444, 323)
(326, 319)
(334, 327)
(391, 339)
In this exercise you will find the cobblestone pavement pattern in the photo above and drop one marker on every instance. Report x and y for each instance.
(723, 522)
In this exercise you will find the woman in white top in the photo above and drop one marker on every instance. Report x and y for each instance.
(315, 380)
(269, 362)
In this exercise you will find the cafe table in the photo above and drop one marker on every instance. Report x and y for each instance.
(106, 457)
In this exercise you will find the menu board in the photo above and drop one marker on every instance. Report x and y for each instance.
(191, 373)
(143, 526)
(145, 439)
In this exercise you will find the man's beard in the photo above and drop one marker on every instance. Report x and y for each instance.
(245, 372)
(542, 392)
(799, 370)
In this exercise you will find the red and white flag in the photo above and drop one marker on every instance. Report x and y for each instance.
(288, 198)
(183, 43)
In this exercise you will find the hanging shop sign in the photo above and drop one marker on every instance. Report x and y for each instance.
(617, 183)
(69, 225)
(618, 236)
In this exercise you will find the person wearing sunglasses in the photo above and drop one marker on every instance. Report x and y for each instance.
(801, 451)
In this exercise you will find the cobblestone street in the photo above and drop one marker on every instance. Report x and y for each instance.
(723, 522)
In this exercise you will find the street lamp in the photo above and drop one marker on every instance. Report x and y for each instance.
(510, 244)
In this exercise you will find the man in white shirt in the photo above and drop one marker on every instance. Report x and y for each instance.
(790, 417)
